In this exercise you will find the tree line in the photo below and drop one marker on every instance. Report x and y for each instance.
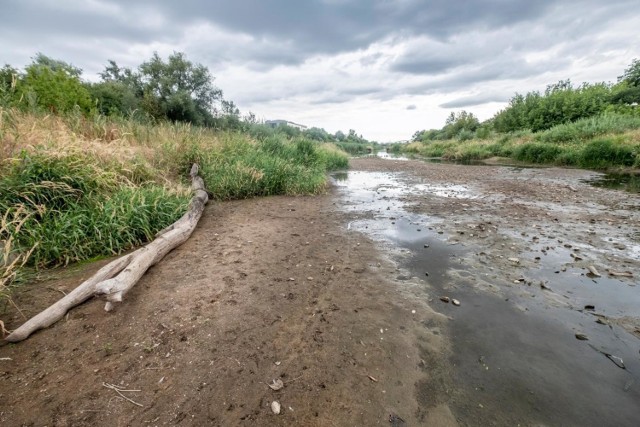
(537, 111)
(174, 89)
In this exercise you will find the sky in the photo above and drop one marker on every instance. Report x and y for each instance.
(385, 68)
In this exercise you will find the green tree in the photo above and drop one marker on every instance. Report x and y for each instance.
(631, 75)
(460, 123)
(185, 92)
(317, 134)
(114, 98)
(54, 85)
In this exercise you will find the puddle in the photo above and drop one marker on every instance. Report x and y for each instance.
(391, 156)
(626, 182)
(516, 359)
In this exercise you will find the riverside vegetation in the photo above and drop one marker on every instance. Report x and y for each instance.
(594, 126)
(79, 180)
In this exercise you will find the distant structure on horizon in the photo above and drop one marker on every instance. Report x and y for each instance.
(276, 123)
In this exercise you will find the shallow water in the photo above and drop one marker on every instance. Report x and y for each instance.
(613, 181)
(515, 356)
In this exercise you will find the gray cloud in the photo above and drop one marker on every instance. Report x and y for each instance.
(321, 53)
(472, 101)
(411, 107)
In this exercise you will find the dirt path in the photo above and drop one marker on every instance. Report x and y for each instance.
(265, 289)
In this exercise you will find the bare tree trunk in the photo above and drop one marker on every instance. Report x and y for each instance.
(116, 278)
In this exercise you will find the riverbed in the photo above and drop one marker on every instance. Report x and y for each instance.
(544, 267)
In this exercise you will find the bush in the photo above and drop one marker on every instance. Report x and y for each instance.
(604, 152)
(535, 152)
(588, 128)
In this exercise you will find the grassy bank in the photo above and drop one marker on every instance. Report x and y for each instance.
(73, 188)
(602, 142)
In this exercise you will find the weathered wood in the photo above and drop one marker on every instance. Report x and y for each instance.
(116, 278)
(79, 295)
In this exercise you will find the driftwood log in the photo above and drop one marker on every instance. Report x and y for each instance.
(115, 279)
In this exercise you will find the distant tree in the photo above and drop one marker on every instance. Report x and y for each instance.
(317, 134)
(340, 136)
(250, 118)
(631, 75)
(175, 89)
(628, 89)
(114, 98)
(56, 65)
(8, 85)
(185, 91)
(458, 123)
(54, 85)
(229, 116)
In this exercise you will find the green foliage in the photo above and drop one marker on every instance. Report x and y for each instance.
(537, 152)
(588, 128)
(603, 152)
(8, 82)
(241, 169)
(592, 125)
(561, 103)
(54, 86)
(631, 75)
(76, 211)
(355, 148)
(317, 134)
(625, 94)
(113, 98)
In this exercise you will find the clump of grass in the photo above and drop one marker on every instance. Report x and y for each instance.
(605, 152)
(537, 152)
(588, 128)
(75, 210)
(241, 168)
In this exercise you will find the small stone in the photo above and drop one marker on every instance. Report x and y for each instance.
(455, 302)
(275, 407)
(276, 384)
(582, 337)
(444, 299)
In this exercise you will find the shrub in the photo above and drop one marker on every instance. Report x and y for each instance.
(604, 152)
(535, 152)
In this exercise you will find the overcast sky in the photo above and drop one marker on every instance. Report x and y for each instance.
(385, 68)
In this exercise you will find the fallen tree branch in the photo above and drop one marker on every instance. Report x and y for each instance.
(116, 278)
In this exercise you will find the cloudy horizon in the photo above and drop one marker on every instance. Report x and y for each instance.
(385, 68)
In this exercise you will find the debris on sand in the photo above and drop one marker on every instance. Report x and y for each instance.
(275, 407)
(276, 384)
(396, 421)
(444, 299)
(582, 337)
(455, 302)
(620, 273)
(593, 271)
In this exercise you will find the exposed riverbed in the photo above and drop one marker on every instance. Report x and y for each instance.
(538, 339)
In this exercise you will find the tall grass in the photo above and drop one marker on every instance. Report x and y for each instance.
(73, 188)
(606, 141)
(588, 128)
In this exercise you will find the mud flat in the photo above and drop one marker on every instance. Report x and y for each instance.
(538, 338)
